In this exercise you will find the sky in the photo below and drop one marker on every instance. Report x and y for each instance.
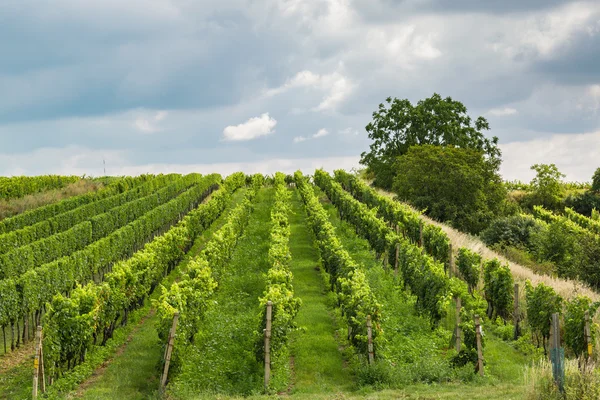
(149, 86)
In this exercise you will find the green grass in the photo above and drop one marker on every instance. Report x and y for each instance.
(133, 373)
(222, 359)
(318, 363)
(16, 382)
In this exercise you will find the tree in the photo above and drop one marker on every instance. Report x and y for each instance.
(453, 184)
(547, 188)
(596, 181)
(399, 125)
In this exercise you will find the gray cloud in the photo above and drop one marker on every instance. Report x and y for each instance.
(85, 76)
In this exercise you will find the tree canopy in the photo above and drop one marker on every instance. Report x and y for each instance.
(547, 188)
(397, 125)
(453, 184)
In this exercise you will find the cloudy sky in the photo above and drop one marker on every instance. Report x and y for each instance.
(265, 85)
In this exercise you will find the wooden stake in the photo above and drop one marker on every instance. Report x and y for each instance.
(397, 252)
(450, 261)
(370, 339)
(169, 350)
(458, 306)
(479, 349)
(36, 362)
(588, 335)
(43, 382)
(268, 345)
(516, 312)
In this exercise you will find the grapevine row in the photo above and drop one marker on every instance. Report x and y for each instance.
(435, 241)
(29, 292)
(549, 217)
(74, 324)
(29, 234)
(43, 251)
(20, 186)
(425, 276)
(36, 215)
(190, 295)
(583, 221)
(354, 293)
(279, 290)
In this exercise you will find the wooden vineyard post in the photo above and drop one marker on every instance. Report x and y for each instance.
(421, 233)
(557, 354)
(169, 351)
(385, 259)
(450, 261)
(588, 335)
(479, 349)
(457, 330)
(38, 364)
(397, 252)
(516, 312)
(370, 340)
(268, 345)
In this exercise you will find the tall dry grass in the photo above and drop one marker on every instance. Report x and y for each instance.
(580, 383)
(9, 208)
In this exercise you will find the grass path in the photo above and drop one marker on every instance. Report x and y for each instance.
(132, 373)
(318, 363)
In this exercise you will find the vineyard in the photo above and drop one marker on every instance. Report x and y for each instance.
(198, 286)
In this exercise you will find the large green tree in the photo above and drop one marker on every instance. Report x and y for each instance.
(453, 184)
(397, 125)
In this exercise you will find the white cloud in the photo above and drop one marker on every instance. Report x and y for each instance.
(502, 112)
(320, 133)
(336, 86)
(70, 160)
(576, 155)
(299, 139)
(150, 124)
(253, 128)
(348, 131)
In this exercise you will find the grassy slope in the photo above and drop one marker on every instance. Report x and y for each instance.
(132, 373)
(222, 359)
(318, 364)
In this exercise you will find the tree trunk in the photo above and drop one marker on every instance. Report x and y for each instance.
(18, 335)
(12, 336)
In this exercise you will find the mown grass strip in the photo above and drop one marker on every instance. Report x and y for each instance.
(318, 364)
